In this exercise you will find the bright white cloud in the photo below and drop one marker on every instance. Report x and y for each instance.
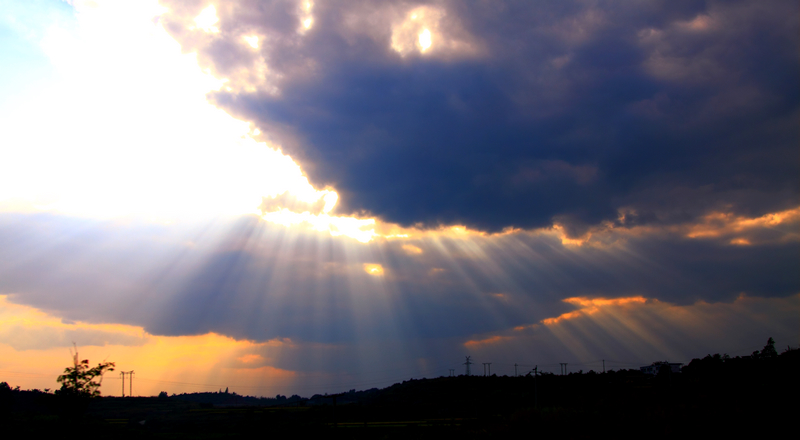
(207, 19)
(306, 17)
(423, 30)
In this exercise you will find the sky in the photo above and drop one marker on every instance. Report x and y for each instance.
(303, 197)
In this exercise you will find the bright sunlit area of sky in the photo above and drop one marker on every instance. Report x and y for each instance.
(110, 120)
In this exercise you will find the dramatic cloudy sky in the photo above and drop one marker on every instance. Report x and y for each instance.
(313, 196)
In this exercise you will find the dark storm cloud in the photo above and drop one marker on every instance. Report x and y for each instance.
(560, 112)
(252, 280)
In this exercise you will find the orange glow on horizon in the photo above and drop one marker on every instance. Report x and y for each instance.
(34, 348)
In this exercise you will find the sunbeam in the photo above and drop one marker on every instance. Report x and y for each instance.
(310, 197)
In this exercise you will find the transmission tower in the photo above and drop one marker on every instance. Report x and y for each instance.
(468, 363)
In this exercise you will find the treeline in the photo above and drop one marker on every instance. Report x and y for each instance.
(226, 398)
(758, 362)
(717, 395)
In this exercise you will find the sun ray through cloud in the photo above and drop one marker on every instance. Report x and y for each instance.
(305, 195)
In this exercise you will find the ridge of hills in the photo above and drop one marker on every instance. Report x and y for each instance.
(716, 395)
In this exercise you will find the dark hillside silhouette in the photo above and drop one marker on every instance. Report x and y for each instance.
(717, 395)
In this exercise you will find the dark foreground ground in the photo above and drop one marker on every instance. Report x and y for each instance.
(714, 397)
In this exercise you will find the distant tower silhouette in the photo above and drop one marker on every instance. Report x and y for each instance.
(468, 363)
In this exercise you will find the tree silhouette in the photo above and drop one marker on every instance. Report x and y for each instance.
(769, 350)
(79, 380)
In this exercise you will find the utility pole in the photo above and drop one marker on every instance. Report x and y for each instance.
(490, 368)
(484, 369)
(468, 363)
(563, 368)
(515, 370)
(130, 382)
(535, 394)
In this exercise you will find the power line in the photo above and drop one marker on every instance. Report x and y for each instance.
(309, 387)
(361, 383)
